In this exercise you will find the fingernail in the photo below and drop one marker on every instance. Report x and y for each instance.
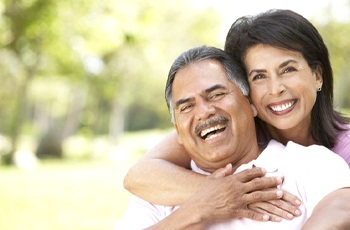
(298, 212)
(290, 216)
(279, 193)
(279, 180)
(298, 202)
(266, 218)
(278, 219)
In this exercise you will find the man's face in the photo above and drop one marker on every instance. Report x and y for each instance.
(213, 118)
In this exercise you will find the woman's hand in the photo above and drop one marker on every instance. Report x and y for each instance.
(223, 196)
(286, 207)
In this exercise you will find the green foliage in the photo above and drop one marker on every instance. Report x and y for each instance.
(97, 66)
(109, 55)
(336, 35)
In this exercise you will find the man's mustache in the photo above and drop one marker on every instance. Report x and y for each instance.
(210, 122)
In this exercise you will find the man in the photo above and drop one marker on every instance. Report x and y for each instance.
(207, 98)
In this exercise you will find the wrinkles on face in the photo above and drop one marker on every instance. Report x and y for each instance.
(283, 88)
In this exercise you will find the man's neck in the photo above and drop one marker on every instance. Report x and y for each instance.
(252, 154)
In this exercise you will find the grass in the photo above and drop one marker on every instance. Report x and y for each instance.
(79, 195)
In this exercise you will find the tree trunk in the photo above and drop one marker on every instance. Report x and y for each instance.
(17, 119)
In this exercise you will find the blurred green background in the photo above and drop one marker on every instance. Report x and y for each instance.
(81, 95)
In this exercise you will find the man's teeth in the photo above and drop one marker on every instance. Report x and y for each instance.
(211, 137)
(279, 108)
(211, 129)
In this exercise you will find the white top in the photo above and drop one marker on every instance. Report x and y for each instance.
(310, 173)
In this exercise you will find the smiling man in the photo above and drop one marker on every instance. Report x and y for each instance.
(207, 95)
(213, 119)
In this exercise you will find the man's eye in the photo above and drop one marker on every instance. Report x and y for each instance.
(217, 95)
(186, 108)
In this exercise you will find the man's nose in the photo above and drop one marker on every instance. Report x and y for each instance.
(204, 110)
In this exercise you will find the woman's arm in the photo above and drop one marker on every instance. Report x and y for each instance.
(208, 206)
(332, 212)
(161, 176)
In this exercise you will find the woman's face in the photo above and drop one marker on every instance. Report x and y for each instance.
(283, 86)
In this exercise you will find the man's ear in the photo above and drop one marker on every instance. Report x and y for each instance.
(178, 136)
(255, 111)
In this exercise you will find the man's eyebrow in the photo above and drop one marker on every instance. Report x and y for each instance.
(182, 101)
(215, 87)
(206, 91)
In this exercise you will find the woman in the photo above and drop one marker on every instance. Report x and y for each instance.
(286, 30)
(276, 49)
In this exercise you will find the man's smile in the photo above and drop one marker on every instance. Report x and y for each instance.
(212, 132)
(211, 128)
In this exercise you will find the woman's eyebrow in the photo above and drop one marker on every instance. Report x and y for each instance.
(283, 64)
(256, 71)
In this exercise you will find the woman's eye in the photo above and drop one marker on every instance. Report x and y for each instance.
(258, 76)
(288, 70)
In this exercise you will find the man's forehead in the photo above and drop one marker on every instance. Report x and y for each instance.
(209, 68)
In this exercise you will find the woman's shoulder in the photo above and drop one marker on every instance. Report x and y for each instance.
(344, 136)
(342, 147)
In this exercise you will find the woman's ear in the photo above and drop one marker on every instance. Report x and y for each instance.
(319, 78)
(255, 111)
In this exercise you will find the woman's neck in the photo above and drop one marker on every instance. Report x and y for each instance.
(301, 135)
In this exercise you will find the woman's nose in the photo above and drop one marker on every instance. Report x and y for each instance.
(276, 87)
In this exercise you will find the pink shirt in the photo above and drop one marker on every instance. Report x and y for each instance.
(342, 147)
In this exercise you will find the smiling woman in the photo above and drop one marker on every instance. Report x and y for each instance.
(284, 90)
(287, 63)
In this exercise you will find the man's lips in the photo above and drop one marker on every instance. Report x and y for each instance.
(210, 127)
(209, 133)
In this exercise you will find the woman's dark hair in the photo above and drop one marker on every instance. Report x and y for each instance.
(289, 30)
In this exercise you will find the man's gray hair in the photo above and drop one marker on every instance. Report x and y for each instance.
(233, 71)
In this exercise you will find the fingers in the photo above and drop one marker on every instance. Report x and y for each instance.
(262, 183)
(265, 208)
(276, 210)
(283, 209)
(254, 215)
(264, 195)
(286, 207)
(288, 197)
(222, 172)
(250, 174)
(247, 194)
